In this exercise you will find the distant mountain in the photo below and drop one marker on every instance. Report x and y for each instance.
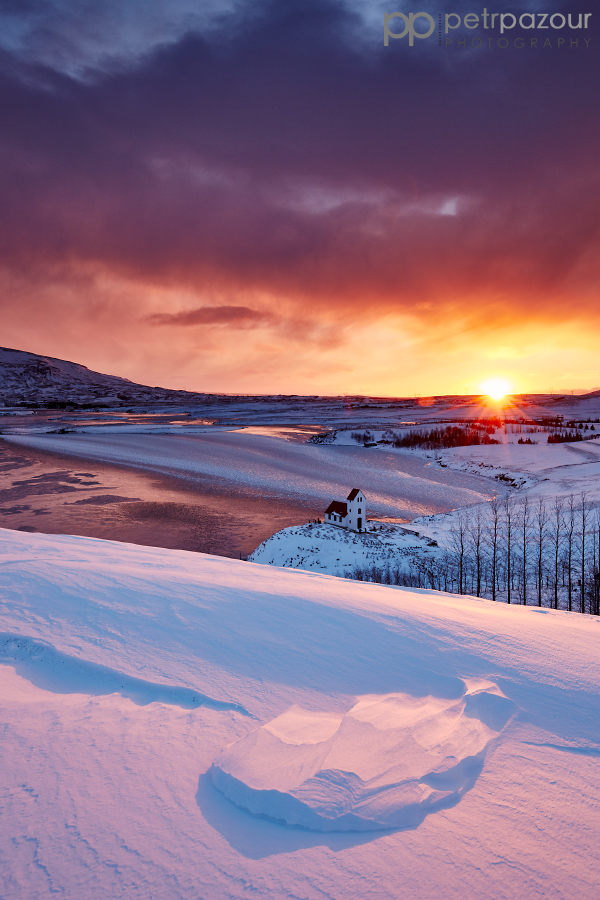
(44, 380)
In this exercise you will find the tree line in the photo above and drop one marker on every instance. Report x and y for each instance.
(529, 551)
(432, 438)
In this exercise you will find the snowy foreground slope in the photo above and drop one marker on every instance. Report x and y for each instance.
(433, 746)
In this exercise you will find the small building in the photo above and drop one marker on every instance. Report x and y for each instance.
(350, 514)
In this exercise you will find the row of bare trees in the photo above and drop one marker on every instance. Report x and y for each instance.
(541, 552)
(528, 551)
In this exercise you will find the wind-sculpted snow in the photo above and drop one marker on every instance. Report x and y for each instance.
(46, 667)
(387, 763)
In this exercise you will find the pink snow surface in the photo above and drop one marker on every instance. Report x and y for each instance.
(386, 763)
(375, 742)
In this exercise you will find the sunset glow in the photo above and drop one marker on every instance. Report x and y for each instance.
(496, 388)
(301, 243)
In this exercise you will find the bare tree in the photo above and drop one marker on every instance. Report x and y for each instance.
(541, 521)
(458, 540)
(476, 535)
(593, 536)
(570, 536)
(493, 540)
(557, 524)
(595, 579)
(585, 515)
(525, 524)
(597, 538)
(596, 593)
(509, 523)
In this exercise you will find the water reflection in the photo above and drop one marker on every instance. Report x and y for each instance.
(56, 494)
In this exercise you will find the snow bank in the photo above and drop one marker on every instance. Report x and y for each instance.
(43, 665)
(386, 763)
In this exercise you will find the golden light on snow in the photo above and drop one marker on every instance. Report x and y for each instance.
(496, 388)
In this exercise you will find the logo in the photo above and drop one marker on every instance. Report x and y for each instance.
(421, 25)
(409, 27)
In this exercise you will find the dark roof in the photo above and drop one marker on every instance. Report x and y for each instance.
(336, 506)
(353, 493)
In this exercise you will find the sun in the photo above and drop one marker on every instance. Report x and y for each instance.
(496, 388)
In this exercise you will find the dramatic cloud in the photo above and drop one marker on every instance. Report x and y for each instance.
(350, 207)
(83, 38)
(235, 316)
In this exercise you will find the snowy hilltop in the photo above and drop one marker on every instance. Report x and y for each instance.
(30, 377)
(170, 719)
(322, 547)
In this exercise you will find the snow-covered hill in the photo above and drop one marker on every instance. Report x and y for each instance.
(167, 717)
(335, 551)
(28, 377)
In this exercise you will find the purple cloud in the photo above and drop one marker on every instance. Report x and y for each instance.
(234, 316)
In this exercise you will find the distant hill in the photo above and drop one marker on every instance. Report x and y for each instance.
(30, 378)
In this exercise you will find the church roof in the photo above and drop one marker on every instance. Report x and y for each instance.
(336, 506)
(353, 493)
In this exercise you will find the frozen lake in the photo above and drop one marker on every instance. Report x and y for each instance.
(219, 492)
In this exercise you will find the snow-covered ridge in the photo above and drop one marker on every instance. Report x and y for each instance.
(24, 373)
(43, 665)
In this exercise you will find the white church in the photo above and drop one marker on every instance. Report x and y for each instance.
(351, 514)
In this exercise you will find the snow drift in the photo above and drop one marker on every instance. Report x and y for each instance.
(386, 763)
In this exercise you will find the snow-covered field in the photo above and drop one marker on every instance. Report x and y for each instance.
(543, 468)
(453, 742)
(525, 464)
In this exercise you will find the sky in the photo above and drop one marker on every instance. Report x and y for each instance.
(259, 196)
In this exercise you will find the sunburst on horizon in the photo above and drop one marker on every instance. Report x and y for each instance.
(496, 388)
